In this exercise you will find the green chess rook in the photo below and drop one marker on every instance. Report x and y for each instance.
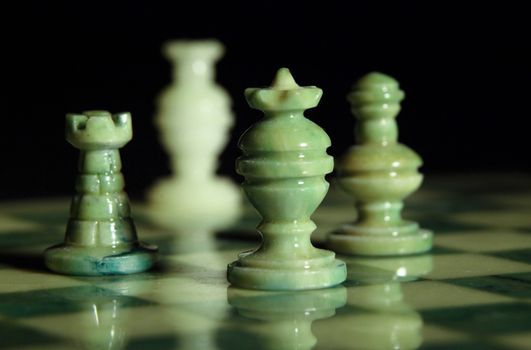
(379, 172)
(100, 238)
(284, 163)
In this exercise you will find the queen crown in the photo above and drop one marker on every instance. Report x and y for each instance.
(284, 94)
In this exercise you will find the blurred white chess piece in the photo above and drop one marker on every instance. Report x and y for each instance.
(194, 118)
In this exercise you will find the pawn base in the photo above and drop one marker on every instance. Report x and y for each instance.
(285, 279)
(99, 261)
(380, 245)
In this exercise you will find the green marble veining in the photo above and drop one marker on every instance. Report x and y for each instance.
(379, 172)
(100, 235)
(284, 162)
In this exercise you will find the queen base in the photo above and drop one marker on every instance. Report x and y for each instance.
(286, 279)
(92, 261)
(347, 241)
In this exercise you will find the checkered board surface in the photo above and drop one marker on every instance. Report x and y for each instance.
(472, 292)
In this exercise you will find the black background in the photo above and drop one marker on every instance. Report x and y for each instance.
(465, 70)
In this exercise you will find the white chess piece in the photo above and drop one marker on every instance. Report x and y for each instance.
(194, 118)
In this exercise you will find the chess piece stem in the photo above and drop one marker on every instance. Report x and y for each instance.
(379, 172)
(284, 162)
(100, 236)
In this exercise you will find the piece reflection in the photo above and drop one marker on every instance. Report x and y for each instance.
(376, 316)
(99, 313)
(277, 320)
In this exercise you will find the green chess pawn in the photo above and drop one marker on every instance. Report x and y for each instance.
(100, 236)
(379, 173)
(284, 162)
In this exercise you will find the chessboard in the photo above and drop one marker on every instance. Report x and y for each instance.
(472, 291)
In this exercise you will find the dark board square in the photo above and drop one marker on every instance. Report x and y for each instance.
(441, 224)
(476, 344)
(521, 255)
(483, 320)
(513, 285)
(61, 300)
(14, 336)
(154, 343)
(30, 238)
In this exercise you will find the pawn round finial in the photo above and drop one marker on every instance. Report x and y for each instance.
(375, 96)
(375, 78)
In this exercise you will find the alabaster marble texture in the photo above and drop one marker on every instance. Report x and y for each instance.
(284, 162)
(101, 238)
(379, 172)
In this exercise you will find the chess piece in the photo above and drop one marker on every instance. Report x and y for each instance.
(193, 118)
(379, 173)
(100, 236)
(280, 320)
(284, 162)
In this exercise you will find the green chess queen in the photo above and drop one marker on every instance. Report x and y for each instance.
(100, 238)
(284, 162)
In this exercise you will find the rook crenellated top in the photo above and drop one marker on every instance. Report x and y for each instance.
(98, 129)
